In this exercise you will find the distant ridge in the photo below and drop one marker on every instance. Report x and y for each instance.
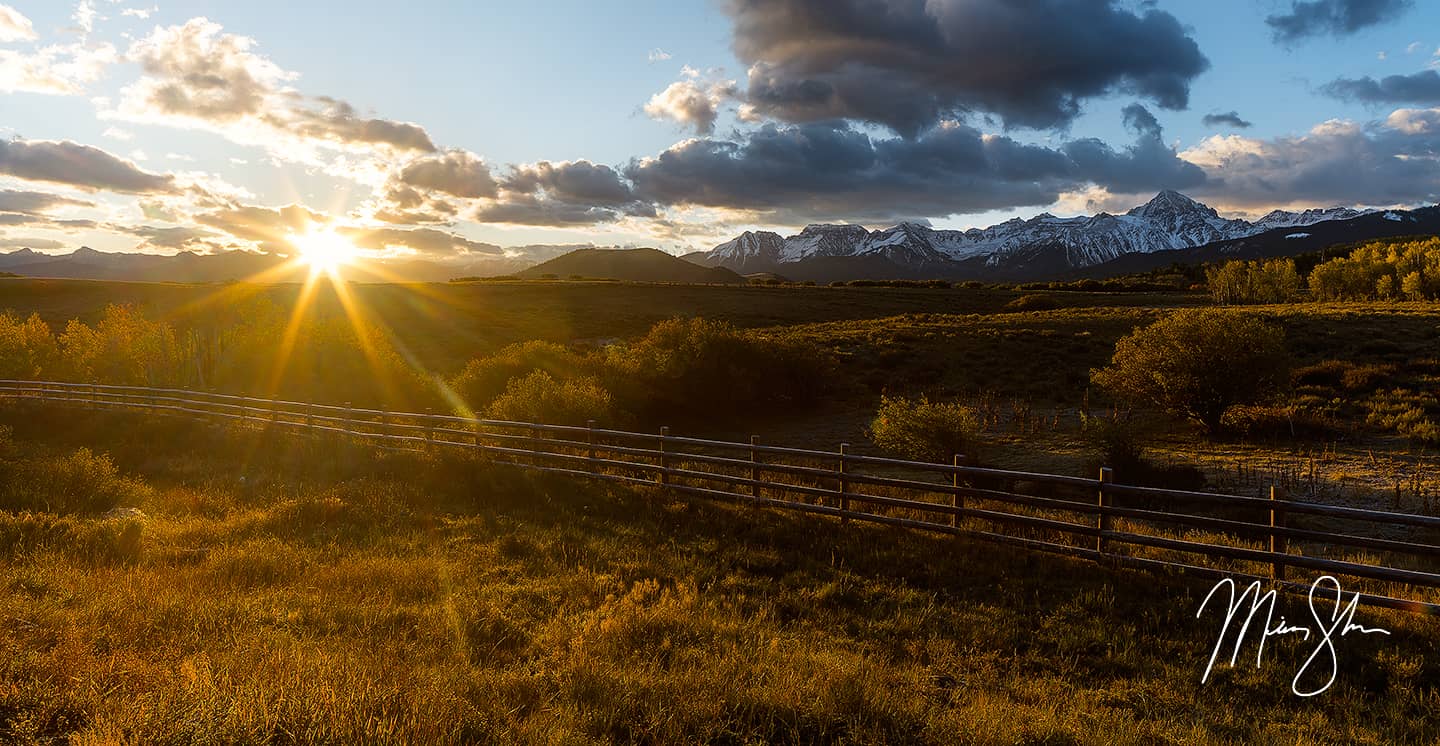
(1042, 247)
(634, 265)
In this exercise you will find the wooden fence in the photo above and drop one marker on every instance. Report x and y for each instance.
(1390, 557)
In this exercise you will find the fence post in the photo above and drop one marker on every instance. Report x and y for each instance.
(956, 500)
(310, 420)
(94, 398)
(755, 467)
(844, 485)
(1277, 543)
(590, 444)
(429, 428)
(352, 439)
(1102, 519)
(664, 457)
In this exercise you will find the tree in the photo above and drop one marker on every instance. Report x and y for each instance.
(1198, 363)
(922, 430)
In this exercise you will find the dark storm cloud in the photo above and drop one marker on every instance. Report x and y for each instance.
(1332, 17)
(831, 170)
(562, 193)
(1420, 88)
(908, 64)
(83, 166)
(1147, 165)
(1226, 119)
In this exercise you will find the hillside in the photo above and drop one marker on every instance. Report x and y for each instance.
(634, 265)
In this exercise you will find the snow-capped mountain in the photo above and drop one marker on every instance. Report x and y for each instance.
(1169, 221)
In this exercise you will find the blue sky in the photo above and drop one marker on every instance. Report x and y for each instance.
(489, 86)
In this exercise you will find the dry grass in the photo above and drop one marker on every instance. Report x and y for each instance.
(286, 592)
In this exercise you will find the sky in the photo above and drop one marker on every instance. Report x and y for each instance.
(485, 129)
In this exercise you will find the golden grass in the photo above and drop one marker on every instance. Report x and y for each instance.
(284, 594)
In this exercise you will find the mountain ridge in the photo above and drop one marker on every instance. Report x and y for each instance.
(1014, 249)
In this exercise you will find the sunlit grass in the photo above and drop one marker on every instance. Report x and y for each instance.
(319, 594)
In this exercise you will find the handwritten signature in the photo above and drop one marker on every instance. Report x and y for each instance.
(1340, 622)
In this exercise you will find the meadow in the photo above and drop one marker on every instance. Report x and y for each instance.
(175, 582)
(274, 590)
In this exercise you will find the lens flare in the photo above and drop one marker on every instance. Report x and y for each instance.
(324, 250)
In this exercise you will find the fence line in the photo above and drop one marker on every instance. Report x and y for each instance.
(1200, 533)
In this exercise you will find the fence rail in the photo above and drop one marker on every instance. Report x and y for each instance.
(1392, 556)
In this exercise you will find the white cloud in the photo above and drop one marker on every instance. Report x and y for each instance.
(115, 133)
(84, 15)
(14, 26)
(197, 76)
(692, 102)
(55, 70)
(658, 55)
(141, 13)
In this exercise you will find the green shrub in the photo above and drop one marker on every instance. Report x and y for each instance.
(486, 378)
(922, 430)
(1197, 363)
(540, 397)
(696, 369)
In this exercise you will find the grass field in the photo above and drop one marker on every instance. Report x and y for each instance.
(276, 592)
(281, 591)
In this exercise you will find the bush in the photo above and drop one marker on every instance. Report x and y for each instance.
(1197, 363)
(921, 430)
(695, 369)
(80, 483)
(484, 379)
(1032, 303)
(540, 397)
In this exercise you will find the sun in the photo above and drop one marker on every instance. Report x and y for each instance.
(324, 250)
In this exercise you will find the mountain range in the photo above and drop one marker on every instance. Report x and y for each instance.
(1041, 247)
(1168, 229)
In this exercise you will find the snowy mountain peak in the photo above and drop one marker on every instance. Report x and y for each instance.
(1171, 205)
(1170, 220)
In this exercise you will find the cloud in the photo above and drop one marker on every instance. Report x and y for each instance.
(198, 76)
(1420, 88)
(81, 166)
(176, 238)
(41, 244)
(56, 70)
(14, 26)
(268, 228)
(908, 64)
(658, 55)
(1147, 165)
(692, 103)
(562, 193)
(1336, 162)
(420, 240)
(458, 173)
(32, 203)
(1311, 18)
(831, 170)
(1227, 119)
